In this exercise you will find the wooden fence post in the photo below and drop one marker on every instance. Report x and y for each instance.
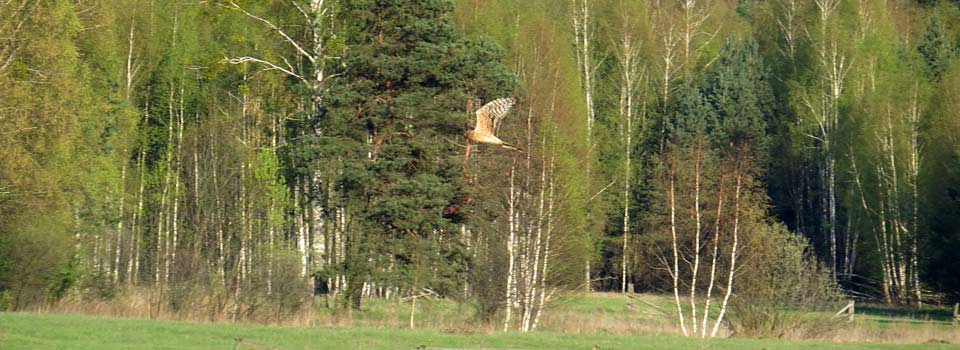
(848, 310)
(851, 310)
(956, 314)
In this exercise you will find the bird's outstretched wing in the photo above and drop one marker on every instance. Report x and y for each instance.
(489, 116)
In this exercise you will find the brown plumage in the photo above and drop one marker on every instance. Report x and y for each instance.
(488, 121)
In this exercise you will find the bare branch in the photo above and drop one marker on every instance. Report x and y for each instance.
(300, 9)
(312, 58)
(601, 191)
(270, 65)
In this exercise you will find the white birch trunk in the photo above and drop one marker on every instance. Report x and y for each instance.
(914, 176)
(161, 254)
(826, 113)
(713, 260)
(696, 238)
(733, 248)
(301, 227)
(630, 73)
(176, 186)
(583, 34)
(115, 271)
(675, 272)
(789, 28)
(542, 283)
(318, 16)
(533, 286)
(511, 241)
(219, 219)
(694, 18)
(667, 37)
(168, 172)
(131, 67)
(133, 266)
(130, 72)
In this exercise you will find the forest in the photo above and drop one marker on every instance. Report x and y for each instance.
(251, 160)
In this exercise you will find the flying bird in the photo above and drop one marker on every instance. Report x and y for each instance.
(488, 121)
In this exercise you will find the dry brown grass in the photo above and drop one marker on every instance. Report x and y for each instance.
(603, 313)
(608, 313)
(910, 332)
(615, 314)
(142, 303)
(593, 313)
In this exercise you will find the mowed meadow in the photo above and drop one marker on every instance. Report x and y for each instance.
(287, 174)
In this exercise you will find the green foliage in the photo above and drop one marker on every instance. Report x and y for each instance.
(783, 291)
(39, 261)
(384, 127)
(941, 187)
(46, 131)
(731, 105)
(63, 282)
(737, 88)
(935, 49)
(241, 179)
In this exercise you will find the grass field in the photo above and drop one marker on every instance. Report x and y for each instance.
(592, 321)
(52, 331)
(646, 314)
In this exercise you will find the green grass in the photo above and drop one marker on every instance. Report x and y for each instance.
(53, 331)
(382, 313)
(887, 314)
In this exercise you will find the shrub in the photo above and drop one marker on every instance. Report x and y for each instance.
(782, 291)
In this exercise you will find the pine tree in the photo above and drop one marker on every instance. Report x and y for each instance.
(934, 49)
(388, 130)
(738, 89)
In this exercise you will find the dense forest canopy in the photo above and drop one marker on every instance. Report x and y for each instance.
(244, 159)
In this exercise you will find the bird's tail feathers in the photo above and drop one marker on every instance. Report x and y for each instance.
(511, 147)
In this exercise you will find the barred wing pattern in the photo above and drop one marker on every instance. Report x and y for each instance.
(488, 121)
(489, 116)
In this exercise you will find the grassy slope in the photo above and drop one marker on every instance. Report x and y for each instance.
(50, 331)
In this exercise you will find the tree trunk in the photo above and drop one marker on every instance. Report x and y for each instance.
(511, 241)
(630, 72)
(696, 238)
(583, 34)
(133, 267)
(713, 261)
(733, 248)
(115, 271)
(675, 272)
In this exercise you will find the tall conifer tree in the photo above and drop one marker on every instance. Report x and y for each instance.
(391, 130)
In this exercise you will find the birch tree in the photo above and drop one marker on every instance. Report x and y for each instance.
(885, 174)
(583, 33)
(538, 219)
(632, 77)
(708, 163)
(306, 61)
(896, 227)
(790, 27)
(530, 227)
(13, 21)
(822, 113)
